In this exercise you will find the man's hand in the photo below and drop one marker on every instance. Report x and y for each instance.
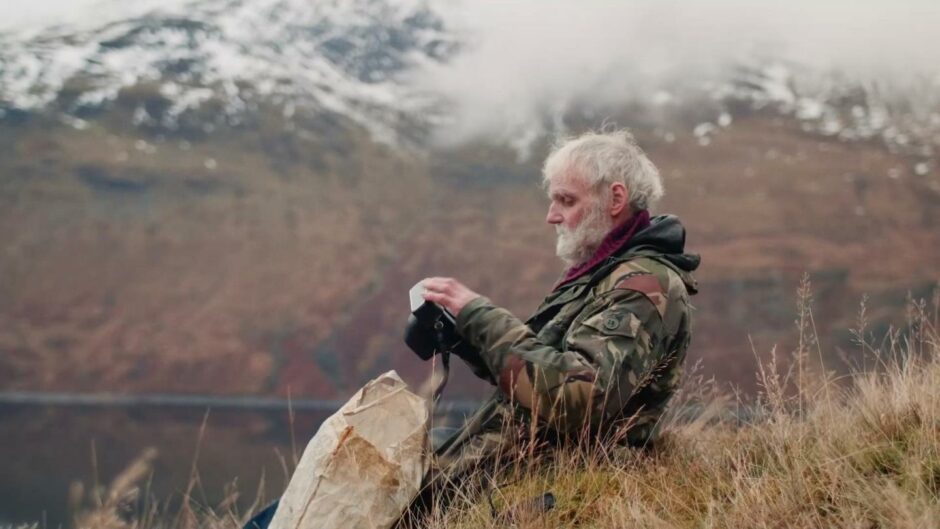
(448, 293)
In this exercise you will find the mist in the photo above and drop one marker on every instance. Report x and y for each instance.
(526, 59)
(523, 64)
(39, 15)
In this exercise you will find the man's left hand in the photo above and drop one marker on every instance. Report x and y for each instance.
(448, 293)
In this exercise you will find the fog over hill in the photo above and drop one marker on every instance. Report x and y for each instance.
(555, 55)
(235, 195)
(858, 71)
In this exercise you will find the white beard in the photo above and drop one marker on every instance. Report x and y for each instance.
(575, 246)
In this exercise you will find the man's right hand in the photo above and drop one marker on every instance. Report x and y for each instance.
(448, 293)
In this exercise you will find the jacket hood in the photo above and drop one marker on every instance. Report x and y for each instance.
(665, 238)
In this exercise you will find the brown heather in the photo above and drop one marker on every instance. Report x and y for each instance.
(158, 274)
(813, 451)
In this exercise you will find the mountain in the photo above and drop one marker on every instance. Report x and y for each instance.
(213, 63)
(191, 68)
(235, 196)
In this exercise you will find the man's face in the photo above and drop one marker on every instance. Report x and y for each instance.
(579, 215)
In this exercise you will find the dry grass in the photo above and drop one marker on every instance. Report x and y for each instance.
(123, 504)
(860, 452)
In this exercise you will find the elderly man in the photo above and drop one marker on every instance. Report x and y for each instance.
(603, 353)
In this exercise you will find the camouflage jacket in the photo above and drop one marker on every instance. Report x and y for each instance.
(602, 352)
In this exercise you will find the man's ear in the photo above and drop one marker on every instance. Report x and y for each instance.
(619, 199)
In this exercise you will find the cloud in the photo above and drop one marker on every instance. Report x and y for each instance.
(35, 15)
(529, 58)
(525, 60)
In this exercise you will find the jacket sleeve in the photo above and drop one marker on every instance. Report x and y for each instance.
(605, 358)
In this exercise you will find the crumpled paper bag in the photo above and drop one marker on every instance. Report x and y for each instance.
(365, 464)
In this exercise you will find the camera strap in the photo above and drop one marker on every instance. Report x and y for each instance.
(439, 388)
(445, 364)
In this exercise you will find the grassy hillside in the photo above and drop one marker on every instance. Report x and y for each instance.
(267, 258)
(857, 452)
(861, 452)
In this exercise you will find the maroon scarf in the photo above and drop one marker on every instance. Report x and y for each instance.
(614, 241)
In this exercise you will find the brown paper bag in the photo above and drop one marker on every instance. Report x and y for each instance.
(364, 465)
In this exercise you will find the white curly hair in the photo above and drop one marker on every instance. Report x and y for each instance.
(605, 158)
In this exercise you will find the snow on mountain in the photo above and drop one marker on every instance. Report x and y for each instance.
(206, 63)
(341, 56)
(905, 116)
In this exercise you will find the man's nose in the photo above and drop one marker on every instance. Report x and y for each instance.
(553, 217)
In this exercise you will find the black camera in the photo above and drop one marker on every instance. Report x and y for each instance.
(431, 329)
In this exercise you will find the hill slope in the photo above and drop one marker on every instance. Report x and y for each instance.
(191, 202)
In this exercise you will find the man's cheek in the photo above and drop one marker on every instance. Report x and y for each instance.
(574, 218)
